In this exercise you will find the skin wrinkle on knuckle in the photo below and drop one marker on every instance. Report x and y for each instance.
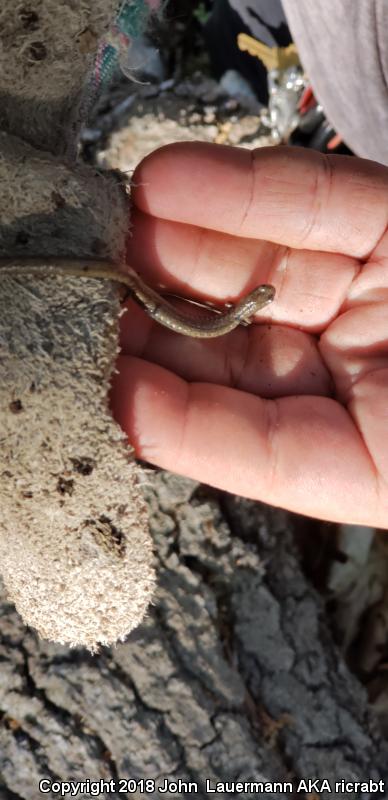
(348, 400)
(187, 405)
(149, 328)
(368, 256)
(321, 197)
(250, 194)
(379, 479)
(232, 356)
(344, 302)
(340, 382)
(272, 412)
(197, 257)
(239, 361)
(282, 270)
(230, 359)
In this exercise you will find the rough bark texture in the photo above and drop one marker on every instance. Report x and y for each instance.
(48, 48)
(75, 552)
(71, 516)
(232, 676)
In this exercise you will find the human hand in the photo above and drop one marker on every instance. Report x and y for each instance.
(292, 410)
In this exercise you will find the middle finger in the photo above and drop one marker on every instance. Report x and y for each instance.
(211, 266)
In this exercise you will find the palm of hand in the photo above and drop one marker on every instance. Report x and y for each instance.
(292, 412)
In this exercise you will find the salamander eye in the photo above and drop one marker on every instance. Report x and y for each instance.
(265, 293)
(268, 290)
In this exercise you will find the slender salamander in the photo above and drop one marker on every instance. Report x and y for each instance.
(157, 307)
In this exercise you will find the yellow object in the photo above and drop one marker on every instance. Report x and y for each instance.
(272, 57)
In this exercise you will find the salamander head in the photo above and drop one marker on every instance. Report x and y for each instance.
(254, 301)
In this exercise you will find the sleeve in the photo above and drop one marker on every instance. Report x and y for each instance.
(343, 46)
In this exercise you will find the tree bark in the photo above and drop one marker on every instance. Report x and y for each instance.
(233, 675)
(71, 511)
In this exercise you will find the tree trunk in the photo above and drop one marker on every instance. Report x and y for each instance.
(233, 675)
(71, 510)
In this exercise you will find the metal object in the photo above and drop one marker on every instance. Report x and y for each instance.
(285, 88)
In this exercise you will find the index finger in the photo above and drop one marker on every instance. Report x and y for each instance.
(287, 195)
